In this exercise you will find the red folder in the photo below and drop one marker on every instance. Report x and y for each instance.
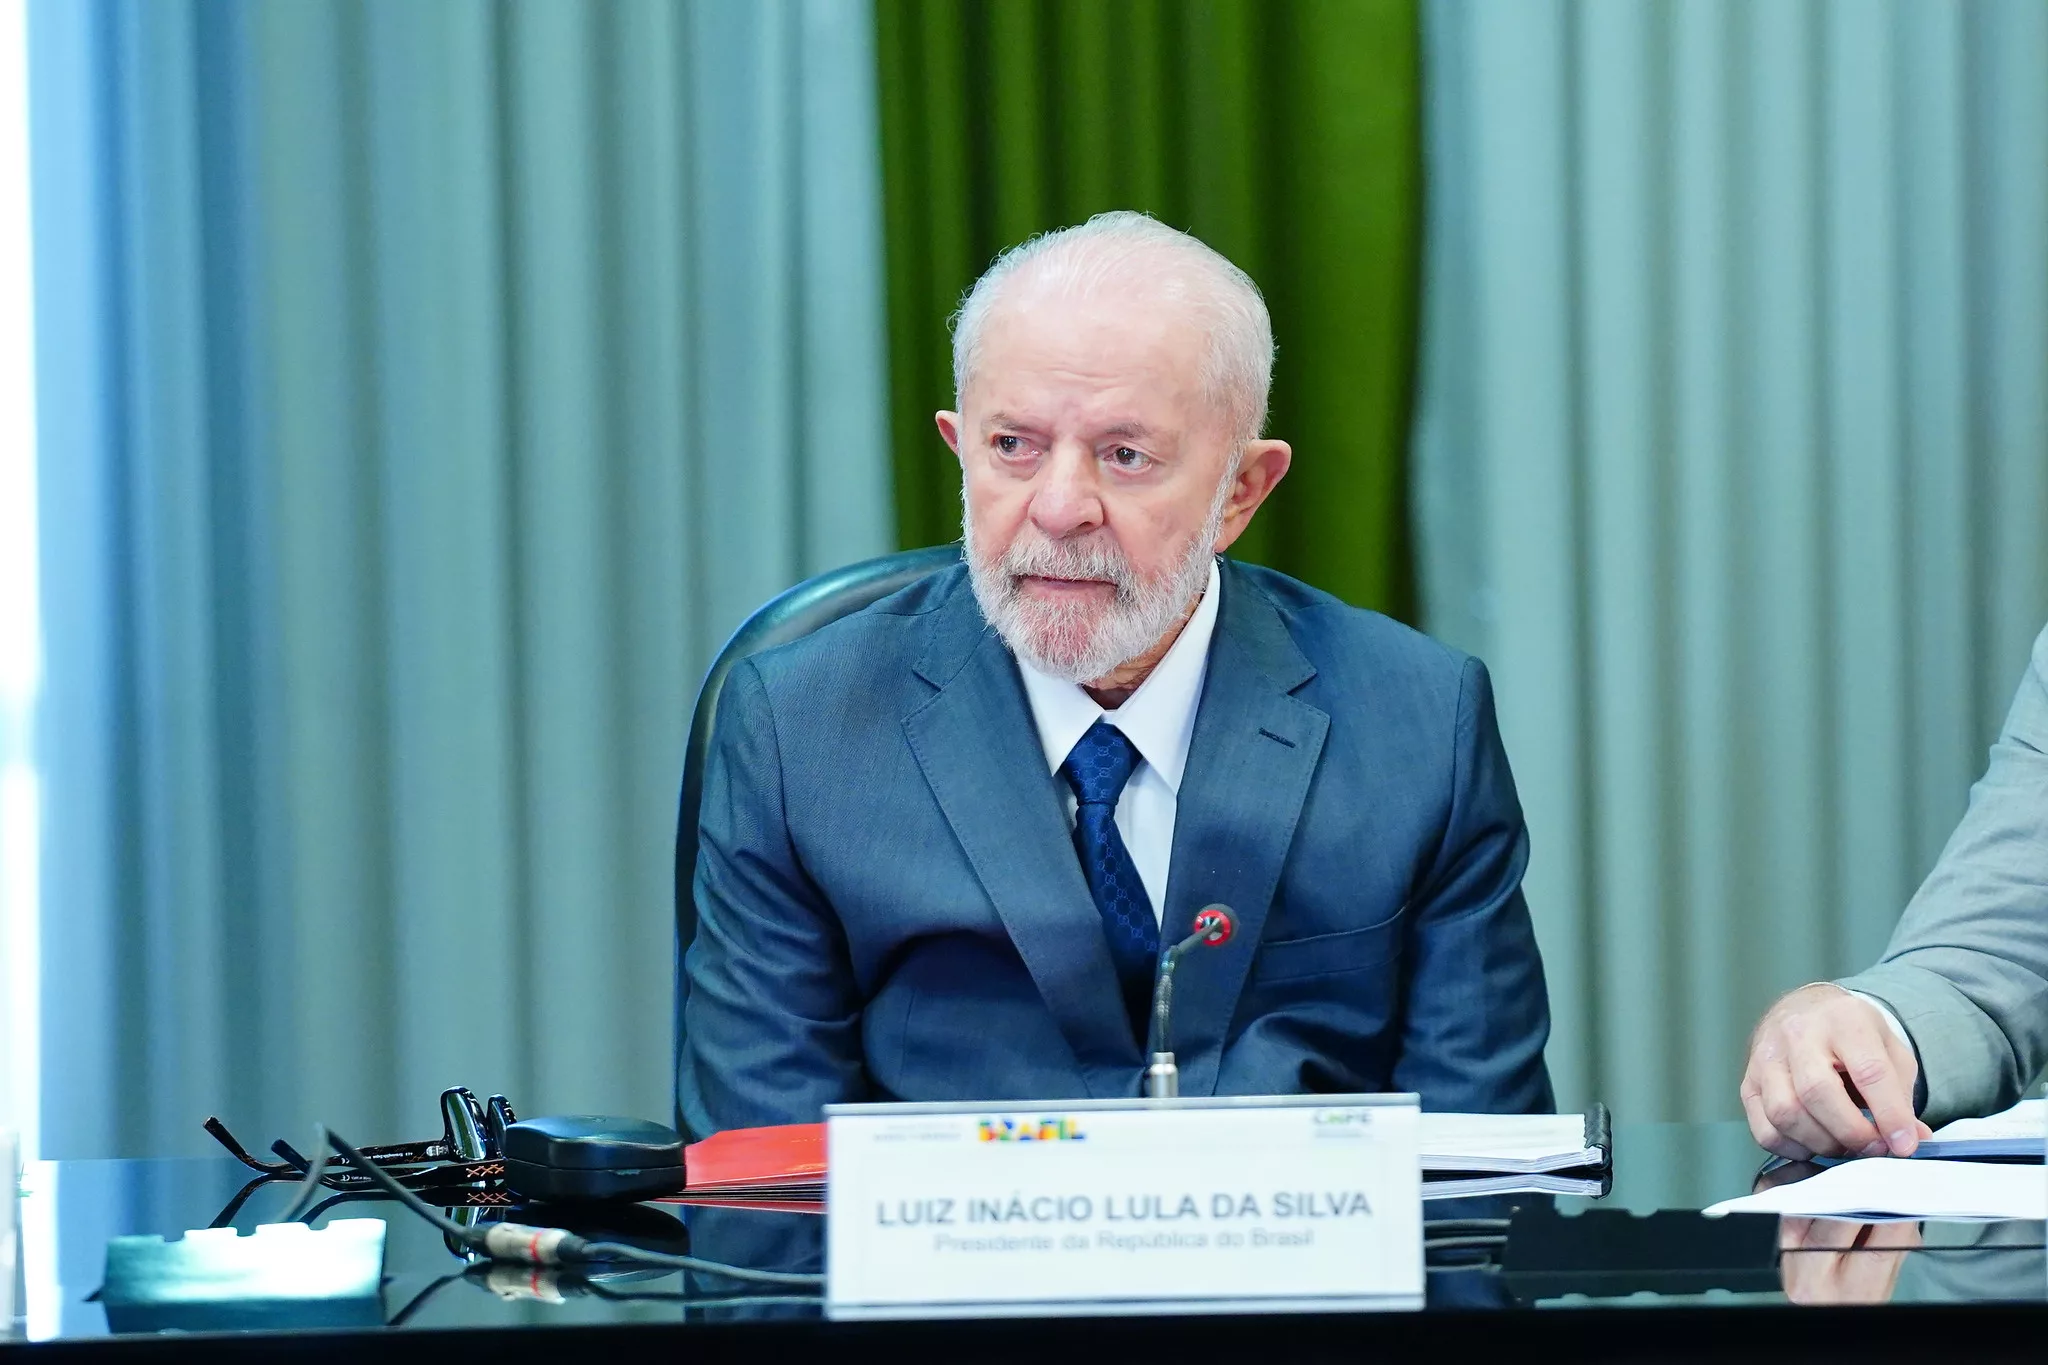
(782, 1167)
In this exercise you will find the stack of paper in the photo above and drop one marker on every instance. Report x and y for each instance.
(1879, 1189)
(1966, 1171)
(1539, 1182)
(1475, 1154)
(1512, 1143)
(2018, 1133)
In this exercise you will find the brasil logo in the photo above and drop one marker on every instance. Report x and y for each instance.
(1038, 1130)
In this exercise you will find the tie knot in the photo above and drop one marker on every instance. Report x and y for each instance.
(1099, 764)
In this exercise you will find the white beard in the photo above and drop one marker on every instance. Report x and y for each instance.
(1080, 642)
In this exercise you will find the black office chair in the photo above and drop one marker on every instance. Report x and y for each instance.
(810, 604)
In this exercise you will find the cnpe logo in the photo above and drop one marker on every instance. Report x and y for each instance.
(1030, 1130)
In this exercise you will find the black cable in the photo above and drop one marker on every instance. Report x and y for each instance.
(1461, 1243)
(689, 1300)
(1448, 1225)
(404, 1315)
(621, 1251)
(309, 1185)
(385, 1181)
(548, 1246)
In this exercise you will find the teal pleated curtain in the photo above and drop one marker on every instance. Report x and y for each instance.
(1732, 461)
(428, 389)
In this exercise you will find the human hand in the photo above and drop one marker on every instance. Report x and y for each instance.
(1818, 1058)
(1827, 1260)
(1791, 1173)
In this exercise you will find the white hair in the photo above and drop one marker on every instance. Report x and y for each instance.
(1237, 372)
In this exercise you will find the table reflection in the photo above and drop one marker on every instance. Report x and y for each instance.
(1830, 1261)
(71, 1209)
(1834, 1261)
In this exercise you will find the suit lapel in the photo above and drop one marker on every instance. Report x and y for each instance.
(1254, 751)
(978, 747)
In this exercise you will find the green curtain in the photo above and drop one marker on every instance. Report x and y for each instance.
(1282, 132)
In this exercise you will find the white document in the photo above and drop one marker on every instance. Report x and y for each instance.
(1198, 1204)
(2020, 1131)
(1509, 1182)
(1507, 1143)
(1878, 1189)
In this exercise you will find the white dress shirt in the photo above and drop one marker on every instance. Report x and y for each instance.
(1158, 719)
(1891, 1021)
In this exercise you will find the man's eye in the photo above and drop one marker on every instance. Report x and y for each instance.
(1126, 458)
(1010, 445)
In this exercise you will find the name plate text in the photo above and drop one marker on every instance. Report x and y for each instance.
(1292, 1201)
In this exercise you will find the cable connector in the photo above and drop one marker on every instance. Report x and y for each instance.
(531, 1245)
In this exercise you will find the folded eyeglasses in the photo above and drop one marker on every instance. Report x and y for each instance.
(460, 1167)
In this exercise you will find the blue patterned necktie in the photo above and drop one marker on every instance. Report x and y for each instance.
(1097, 769)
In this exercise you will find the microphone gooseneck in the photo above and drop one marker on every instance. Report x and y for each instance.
(1213, 925)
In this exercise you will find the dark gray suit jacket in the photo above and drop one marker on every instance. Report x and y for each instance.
(1967, 968)
(891, 906)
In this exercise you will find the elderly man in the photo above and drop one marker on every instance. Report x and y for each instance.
(1953, 1022)
(943, 839)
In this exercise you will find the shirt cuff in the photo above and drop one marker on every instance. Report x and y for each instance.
(1891, 1020)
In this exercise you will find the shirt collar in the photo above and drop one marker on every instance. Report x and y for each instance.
(1159, 718)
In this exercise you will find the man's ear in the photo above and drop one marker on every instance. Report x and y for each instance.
(949, 427)
(1259, 471)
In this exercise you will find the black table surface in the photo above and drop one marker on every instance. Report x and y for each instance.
(1887, 1293)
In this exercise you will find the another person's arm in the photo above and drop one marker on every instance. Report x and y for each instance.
(1966, 974)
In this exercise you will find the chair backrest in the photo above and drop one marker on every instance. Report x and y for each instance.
(796, 613)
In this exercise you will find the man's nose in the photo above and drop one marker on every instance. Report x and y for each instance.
(1067, 501)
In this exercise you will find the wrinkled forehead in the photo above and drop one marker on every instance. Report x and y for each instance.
(1118, 344)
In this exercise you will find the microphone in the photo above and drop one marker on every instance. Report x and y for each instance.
(1213, 925)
